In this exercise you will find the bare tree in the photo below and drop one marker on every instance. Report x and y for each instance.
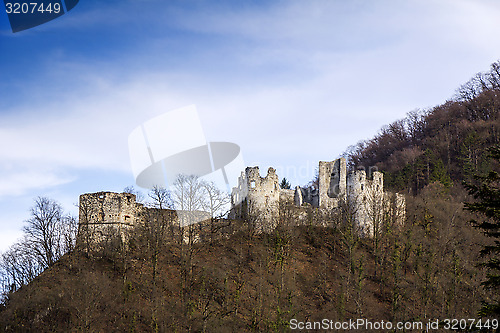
(350, 231)
(217, 203)
(154, 232)
(374, 207)
(19, 266)
(161, 198)
(44, 231)
(189, 197)
(216, 200)
(85, 231)
(139, 196)
(48, 235)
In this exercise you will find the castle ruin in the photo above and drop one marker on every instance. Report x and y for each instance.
(258, 200)
(262, 200)
(105, 216)
(104, 213)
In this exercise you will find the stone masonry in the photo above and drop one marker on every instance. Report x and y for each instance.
(257, 198)
(108, 216)
(104, 213)
(260, 199)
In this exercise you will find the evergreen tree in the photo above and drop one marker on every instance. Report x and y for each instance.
(487, 195)
(285, 184)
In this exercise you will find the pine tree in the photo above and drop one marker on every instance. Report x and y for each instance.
(487, 195)
(285, 184)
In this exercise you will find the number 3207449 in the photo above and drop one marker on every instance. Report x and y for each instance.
(32, 8)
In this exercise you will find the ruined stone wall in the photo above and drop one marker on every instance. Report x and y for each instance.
(369, 203)
(106, 219)
(287, 196)
(109, 208)
(357, 199)
(263, 198)
(332, 182)
(106, 214)
(306, 195)
(239, 193)
(257, 199)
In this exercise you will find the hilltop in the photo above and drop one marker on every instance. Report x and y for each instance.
(447, 143)
(247, 283)
(426, 268)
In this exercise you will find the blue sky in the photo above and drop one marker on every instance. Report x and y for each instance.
(292, 82)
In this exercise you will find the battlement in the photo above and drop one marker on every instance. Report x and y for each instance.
(107, 217)
(260, 198)
(104, 216)
(359, 184)
(257, 183)
(109, 208)
(257, 197)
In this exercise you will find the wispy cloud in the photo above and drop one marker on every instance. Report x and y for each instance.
(278, 79)
(18, 182)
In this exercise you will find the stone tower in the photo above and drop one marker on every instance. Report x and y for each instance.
(103, 214)
(261, 201)
(368, 199)
(257, 198)
(332, 182)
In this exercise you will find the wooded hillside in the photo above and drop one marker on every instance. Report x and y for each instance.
(447, 143)
(425, 269)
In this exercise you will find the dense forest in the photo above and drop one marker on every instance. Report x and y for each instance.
(426, 269)
(447, 143)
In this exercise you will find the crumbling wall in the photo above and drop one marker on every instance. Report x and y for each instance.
(287, 196)
(263, 198)
(370, 203)
(357, 199)
(257, 199)
(239, 193)
(260, 200)
(331, 182)
(306, 195)
(109, 208)
(109, 216)
(104, 215)
(364, 195)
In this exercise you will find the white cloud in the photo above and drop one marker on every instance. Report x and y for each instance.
(17, 182)
(293, 74)
(291, 83)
